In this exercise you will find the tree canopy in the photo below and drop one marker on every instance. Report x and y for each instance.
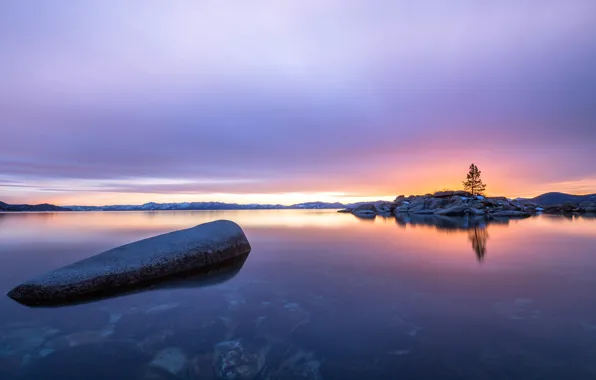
(473, 182)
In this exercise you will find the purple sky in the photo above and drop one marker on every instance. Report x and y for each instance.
(114, 101)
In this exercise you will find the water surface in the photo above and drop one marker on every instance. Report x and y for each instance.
(321, 296)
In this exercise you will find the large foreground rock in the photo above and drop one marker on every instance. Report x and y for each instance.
(205, 246)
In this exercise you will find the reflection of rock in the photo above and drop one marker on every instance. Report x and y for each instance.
(203, 247)
(233, 361)
(510, 214)
(366, 217)
(442, 222)
(475, 226)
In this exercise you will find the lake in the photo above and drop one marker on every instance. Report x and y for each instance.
(322, 295)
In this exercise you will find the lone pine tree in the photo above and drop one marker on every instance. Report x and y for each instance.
(473, 182)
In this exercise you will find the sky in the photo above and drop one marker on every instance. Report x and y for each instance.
(263, 101)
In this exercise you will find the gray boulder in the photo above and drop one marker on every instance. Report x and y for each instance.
(416, 205)
(455, 210)
(475, 211)
(366, 209)
(443, 194)
(424, 212)
(589, 207)
(204, 247)
(401, 210)
(385, 208)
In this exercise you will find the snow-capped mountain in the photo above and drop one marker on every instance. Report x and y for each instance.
(153, 206)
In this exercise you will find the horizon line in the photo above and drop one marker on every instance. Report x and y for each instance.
(362, 199)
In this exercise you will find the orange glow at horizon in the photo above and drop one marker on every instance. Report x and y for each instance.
(384, 183)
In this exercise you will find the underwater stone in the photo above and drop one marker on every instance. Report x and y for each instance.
(233, 361)
(171, 359)
(204, 247)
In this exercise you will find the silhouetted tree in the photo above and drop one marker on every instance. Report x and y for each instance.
(473, 183)
(478, 236)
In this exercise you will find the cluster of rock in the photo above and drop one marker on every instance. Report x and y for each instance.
(448, 203)
(461, 203)
(571, 208)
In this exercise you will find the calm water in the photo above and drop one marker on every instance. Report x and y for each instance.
(321, 296)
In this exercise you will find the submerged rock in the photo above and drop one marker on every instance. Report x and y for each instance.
(105, 360)
(171, 359)
(301, 365)
(233, 361)
(203, 247)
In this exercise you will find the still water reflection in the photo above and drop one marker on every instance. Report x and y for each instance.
(321, 296)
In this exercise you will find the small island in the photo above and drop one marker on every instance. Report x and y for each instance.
(472, 201)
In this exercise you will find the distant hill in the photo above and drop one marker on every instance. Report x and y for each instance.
(550, 199)
(190, 206)
(22, 208)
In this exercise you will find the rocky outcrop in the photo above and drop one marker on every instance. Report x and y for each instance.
(455, 210)
(570, 208)
(204, 247)
(461, 203)
(456, 203)
(446, 203)
(366, 209)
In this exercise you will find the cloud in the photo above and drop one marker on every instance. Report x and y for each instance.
(297, 96)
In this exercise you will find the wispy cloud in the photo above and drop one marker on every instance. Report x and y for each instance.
(312, 97)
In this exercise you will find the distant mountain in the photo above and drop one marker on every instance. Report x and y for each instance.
(317, 205)
(189, 206)
(21, 208)
(543, 200)
(550, 199)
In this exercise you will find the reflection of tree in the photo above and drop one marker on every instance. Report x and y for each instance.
(478, 236)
